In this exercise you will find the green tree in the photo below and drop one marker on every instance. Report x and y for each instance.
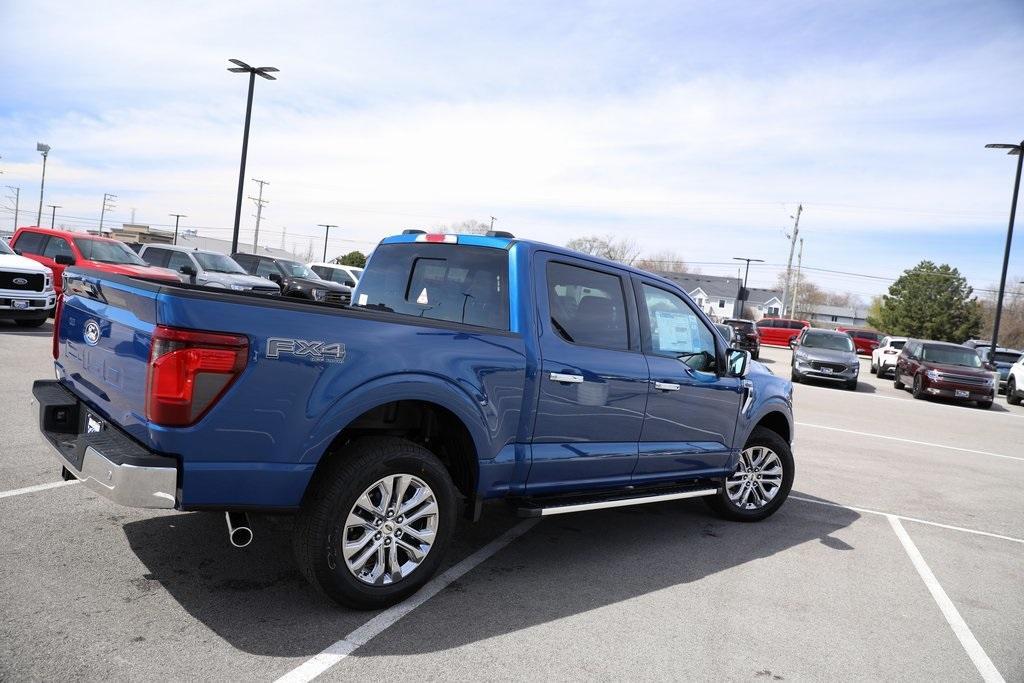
(352, 258)
(930, 302)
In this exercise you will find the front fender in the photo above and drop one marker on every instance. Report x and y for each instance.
(398, 387)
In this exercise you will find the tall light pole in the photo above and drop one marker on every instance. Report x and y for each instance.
(264, 72)
(177, 217)
(328, 229)
(53, 213)
(45, 151)
(743, 292)
(1017, 150)
(492, 222)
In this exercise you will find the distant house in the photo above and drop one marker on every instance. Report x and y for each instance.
(831, 316)
(719, 296)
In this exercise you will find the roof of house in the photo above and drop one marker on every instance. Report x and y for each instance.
(844, 311)
(715, 286)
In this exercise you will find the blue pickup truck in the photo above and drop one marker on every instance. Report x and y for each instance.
(467, 368)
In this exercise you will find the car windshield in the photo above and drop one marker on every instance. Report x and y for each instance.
(296, 269)
(4, 249)
(740, 325)
(108, 252)
(217, 263)
(822, 340)
(951, 355)
(1003, 356)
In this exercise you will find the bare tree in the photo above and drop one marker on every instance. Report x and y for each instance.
(469, 227)
(665, 261)
(621, 249)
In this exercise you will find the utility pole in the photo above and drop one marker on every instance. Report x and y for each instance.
(16, 198)
(53, 213)
(177, 217)
(108, 205)
(45, 151)
(789, 263)
(133, 215)
(492, 222)
(326, 234)
(259, 212)
(284, 232)
(799, 273)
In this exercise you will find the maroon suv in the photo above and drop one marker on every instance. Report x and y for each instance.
(935, 368)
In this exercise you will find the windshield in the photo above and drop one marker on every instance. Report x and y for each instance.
(897, 344)
(951, 355)
(217, 263)
(4, 249)
(822, 340)
(296, 269)
(108, 252)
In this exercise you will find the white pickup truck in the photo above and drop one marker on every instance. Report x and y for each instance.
(26, 289)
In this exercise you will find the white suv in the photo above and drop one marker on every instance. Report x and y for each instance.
(1015, 383)
(883, 359)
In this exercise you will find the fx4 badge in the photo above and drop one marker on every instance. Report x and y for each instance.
(303, 348)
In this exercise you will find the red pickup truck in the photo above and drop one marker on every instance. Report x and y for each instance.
(57, 249)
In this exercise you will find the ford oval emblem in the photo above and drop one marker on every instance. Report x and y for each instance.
(20, 281)
(91, 332)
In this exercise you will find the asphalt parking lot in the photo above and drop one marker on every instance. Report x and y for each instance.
(900, 555)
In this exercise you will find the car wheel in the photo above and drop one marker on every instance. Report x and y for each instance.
(756, 355)
(376, 522)
(851, 385)
(896, 383)
(984, 405)
(917, 389)
(761, 482)
(1011, 393)
(30, 322)
(874, 368)
(795, 376)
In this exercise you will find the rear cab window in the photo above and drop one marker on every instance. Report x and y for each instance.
(447, 282)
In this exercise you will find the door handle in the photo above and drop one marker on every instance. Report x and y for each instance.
(666, 386)
(563, 377)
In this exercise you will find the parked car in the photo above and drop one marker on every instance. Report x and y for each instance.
(780, 331)
(746, 336)
(334, 272)
(728, 334)
(295, 279)
(883, 358)
(1015, 383)
(825, 354)
(1001, 362)
(478, 368)
(26, 289)
(866, 341)
(57, 249)
(935, 368)
(206, 268)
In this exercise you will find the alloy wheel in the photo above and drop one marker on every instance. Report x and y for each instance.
(757, 479)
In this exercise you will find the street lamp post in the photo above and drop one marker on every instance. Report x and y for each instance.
(745, 274)
(328, 232)
(177, 217)
(264, 72)
(53, 213)
(1017, 150)
(45, 151)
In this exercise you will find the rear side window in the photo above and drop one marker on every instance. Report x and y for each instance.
(266, 267)
(57, 246)
(30, 243)
(245, 261)
(587, 307)
(897, 344)
(795, 325)
(322, 271)
(766, 323)
(454, 283)
(156, 257)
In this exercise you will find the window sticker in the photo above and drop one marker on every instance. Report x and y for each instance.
(422, 299)
(676, 331)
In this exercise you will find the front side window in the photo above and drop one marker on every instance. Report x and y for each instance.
(177, 260)
(676, 331)
(296, 269)
(587, 306)
(156, 257)
(453, 283)
(266, 267)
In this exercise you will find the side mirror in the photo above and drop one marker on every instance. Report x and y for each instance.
(738, 362)
(187, 270)
(274, 277)
(64, 259)
(792, 343)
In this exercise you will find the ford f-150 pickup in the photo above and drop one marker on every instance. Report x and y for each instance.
(467, 368)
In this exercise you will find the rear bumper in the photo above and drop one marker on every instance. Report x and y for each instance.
(99, 454)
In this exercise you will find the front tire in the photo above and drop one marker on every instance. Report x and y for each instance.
(376, 523)
(761, 482)
(984, 405)
(1011, 393)
(852, 385)
(917, 390)
(30, 322)
(896, 383)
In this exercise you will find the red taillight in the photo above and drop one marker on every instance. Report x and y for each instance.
(189, 371)
(56, 325)
(435, 237)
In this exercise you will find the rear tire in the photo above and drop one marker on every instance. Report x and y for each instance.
(762, 441)
(1011, 393)
(896, 383)
(325, 519)
(30, 322)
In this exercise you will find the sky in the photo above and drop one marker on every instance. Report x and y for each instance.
(691, 127)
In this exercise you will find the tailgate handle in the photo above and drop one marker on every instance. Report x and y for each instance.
(563, 377)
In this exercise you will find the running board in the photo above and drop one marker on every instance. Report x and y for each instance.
(566, 508)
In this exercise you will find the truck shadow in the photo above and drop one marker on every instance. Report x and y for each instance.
(8, 327)
(256, 600)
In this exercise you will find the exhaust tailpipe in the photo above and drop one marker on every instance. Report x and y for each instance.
(239, 529)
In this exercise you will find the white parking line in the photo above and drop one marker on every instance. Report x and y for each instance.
(38, 487)
(963, 632)
(909, 519)
(917, 443)
(333, 654)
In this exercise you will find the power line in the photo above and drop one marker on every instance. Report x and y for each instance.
(260, 203)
